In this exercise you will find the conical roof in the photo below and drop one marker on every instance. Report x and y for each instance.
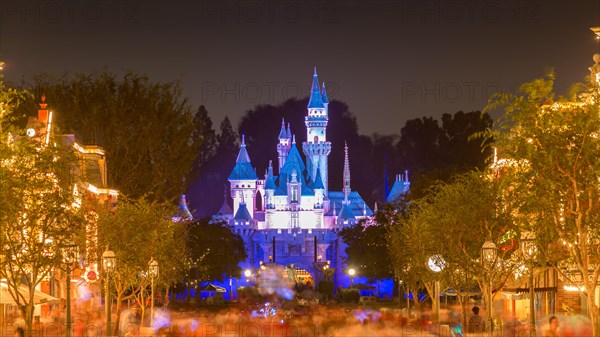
(283, 132)
(243, 169)
(184, 212)
(346, 213)
(243, 213)
(316, 100)
(225, 208)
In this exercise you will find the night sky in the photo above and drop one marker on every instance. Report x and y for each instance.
(389, 60)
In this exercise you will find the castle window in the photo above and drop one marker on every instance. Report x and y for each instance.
(316, 139)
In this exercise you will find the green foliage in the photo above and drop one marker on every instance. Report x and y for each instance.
(551, 150)
(367, 249)
(37, 213)
(137, 231)
(148, 131)
(215, 251)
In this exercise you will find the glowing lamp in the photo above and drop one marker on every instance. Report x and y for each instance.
(109, 260)
(153, 268)
(436, 263)
(489, 252)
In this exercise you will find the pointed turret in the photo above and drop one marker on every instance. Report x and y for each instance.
(289, 131)
(243, 156)
(269, 179)
(184, 212)
(283, 132)
(243, 169)
(225, 208)
(316, 147)
(346, 215)
(346, 190)
(315, 101)
(242, 213)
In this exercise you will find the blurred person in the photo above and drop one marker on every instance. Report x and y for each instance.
(19, 332)
(476, 322)
(553, 328)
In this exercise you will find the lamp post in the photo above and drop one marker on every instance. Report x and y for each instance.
(436, 264)
(351, 272)
(529, 249)
(489, 253)
(108, 264)
(70, 255)
(153, 271)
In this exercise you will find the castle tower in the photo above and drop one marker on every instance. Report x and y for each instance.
(317, 148)
(283, 148)
(242, 181)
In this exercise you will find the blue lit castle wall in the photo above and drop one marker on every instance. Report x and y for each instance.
(301, 218)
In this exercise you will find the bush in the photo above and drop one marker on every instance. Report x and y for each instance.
(326, 288)
(348, 295)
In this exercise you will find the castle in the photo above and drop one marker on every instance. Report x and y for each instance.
(291, 217)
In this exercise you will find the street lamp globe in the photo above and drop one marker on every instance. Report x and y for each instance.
(153, 268)
(489, 252)
(351, 272)
(109, 260)
(247, 273)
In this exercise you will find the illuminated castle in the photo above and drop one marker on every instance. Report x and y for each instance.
(291, 217)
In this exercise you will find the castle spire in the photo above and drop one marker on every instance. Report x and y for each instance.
(283, 132)
(289, 131)
(315, 101)
(243, 156)
(346, 188)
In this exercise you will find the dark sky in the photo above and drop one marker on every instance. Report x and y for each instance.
(389, 60)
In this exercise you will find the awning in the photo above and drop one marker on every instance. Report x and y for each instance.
(523, 293)
(213, 288)
(38, 296)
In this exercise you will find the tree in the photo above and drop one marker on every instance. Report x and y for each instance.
(215, 251)
(38, 214)
(410, 246)
(556, 147)
(147, 129)
(367, 248)
(460, 216)
(137, 231)
(205, 135)
(211, 179)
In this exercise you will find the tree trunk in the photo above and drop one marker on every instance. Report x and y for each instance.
(27, 312)
(118, 312)
(594, 313)
(166, 300)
